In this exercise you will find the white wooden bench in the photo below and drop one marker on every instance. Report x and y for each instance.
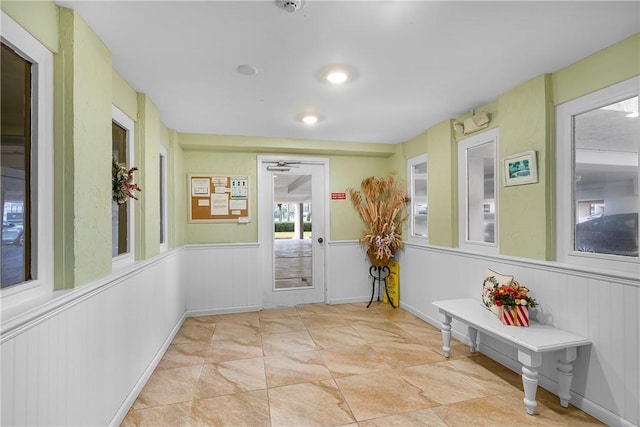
(531, 342)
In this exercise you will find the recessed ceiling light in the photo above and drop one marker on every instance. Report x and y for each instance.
(336, 74)
(247, 70)
(309, 118)
(337, 77)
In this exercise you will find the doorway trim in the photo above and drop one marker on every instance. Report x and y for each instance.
(265, 228)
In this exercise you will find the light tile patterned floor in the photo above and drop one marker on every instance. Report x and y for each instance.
(332, 365)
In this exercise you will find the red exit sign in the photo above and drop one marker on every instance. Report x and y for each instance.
(338, 196)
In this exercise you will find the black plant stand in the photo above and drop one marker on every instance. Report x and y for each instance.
(379, 274)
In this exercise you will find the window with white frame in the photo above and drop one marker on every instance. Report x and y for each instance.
(597, 178)
(419, 210)
(26, 165)
(122, 219)
(477, 195)
(162, 164)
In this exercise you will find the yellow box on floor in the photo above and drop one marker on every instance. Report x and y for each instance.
(393, 284)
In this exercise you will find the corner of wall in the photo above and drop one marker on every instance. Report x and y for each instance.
(442, 192)
(147, 151)
(82, 100)
(550, 171)
(63, 155)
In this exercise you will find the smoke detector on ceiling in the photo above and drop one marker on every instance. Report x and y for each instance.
(290, 5)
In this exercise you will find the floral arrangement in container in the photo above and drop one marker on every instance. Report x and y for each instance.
(381, 203)
(513, 303)
(122, 185)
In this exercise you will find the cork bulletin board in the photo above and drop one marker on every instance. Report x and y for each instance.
(218, 198)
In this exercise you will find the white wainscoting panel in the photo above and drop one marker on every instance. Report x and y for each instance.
(601, 307)
(222, 278)
(347, 275)
(82, 358)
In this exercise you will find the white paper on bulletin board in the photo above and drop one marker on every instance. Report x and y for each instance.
(219, 204)
(238, 204)
(200, 187)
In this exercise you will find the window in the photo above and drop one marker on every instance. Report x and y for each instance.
(16, 162)
(163, 199)
(122, 246)
(26, 165)
(597, 161)
(478, 201)
(419, 211)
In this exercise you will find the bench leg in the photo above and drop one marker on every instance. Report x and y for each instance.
(446, 335)
(473, 336)
(565, 375)
(530, 363)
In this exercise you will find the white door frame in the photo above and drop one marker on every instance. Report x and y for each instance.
(265, 230)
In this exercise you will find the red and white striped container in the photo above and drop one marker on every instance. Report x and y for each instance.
(516, 316)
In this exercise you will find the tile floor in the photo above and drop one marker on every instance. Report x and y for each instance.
(292, 263)
(332, 365)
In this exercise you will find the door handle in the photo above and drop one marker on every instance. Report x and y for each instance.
(320, 240)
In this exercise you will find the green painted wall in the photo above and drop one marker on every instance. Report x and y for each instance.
(124, 97)
(414, 147)
(525, 213)
(224, 163)
(177, 191)
(604, 68)
(39, 18)
(63, 204)
(147, 153)
(238, 155)
(345, 172)
(168, 139)
(82, 157)
(265, 146)
(442, 185)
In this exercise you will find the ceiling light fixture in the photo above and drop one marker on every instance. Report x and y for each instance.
(336, 74)
(337, 77)
(309, 118)
(476, 122)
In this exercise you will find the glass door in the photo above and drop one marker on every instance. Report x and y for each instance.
(291, 203)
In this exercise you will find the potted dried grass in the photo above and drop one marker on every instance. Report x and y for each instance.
(381, 203)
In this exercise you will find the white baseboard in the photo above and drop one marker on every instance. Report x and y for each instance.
(430, 320)
(227, 310)
(349, 300)
(133, 395)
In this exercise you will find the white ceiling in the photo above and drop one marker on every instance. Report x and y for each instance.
(417, 62)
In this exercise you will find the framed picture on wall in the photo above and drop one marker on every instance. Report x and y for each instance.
(520, 169)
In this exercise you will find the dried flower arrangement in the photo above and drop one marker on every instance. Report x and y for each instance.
(122, 185)
(381, 203)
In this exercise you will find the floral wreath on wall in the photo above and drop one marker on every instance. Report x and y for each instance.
(122, 185)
